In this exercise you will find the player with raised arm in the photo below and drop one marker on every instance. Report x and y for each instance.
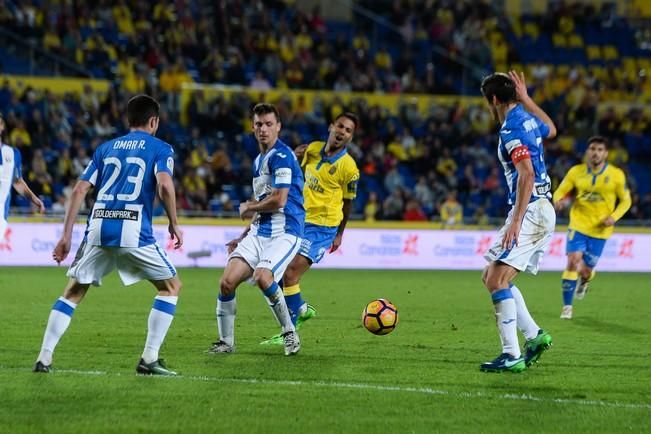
(529, 226)
(11, 174)
(597, 186)
(128, 172)
(269, 244)
(331, 176)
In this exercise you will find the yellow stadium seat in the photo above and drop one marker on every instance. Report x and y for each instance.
(629, 63)
(644, 63)
(610, 52)
(562, 70)
(643, 7)
(532, 30)
(516, 26)
(566, 143)
(593, 52)
(598, 71)
(559, 40)
(575, 41)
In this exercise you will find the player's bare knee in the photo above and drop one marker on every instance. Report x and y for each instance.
(174, 286)
(263, 278)
(226, 285)
(484, 275)
(75, 291)
(495, 281)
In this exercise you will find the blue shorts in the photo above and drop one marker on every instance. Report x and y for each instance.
(316, 241)
(590, 246)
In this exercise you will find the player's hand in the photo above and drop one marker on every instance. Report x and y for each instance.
(175, 233)
(39, 204)
(60, 252)
(560, 205)
(608, 221)
(336, 242)
(520, 85)
(245, 212)
(299, 151)
(510, 239)
(232, 244)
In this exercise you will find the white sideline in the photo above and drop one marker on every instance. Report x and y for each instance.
(379, 387)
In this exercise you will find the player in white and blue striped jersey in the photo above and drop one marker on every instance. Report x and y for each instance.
(127, 172)
(266, 248)
(11, 175)
(529, 226)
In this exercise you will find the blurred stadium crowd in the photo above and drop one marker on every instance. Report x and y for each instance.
(415, 164)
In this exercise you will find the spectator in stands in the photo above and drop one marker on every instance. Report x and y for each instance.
(394, 204)
(372, 207)
(259, 82)
(414, 212)
(451, 211)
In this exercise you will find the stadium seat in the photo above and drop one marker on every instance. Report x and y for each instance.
(559, 40)
(610, 53)
(593, 52)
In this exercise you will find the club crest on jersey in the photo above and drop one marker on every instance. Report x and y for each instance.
(332, 170)
(606, 179)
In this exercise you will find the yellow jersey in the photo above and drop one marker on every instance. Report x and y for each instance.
(595, 197)
(328, 181)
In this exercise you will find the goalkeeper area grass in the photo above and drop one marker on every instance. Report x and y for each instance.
(423, 377)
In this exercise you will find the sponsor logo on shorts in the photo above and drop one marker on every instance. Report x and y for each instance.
(115, 214)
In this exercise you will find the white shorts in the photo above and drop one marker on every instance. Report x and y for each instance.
(133, 263)
(536, 233)
(273, 254)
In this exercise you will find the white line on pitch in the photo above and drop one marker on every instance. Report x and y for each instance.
(364, 386)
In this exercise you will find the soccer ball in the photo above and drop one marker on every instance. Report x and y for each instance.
(380, 317)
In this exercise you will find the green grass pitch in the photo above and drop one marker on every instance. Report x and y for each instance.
(421, 378)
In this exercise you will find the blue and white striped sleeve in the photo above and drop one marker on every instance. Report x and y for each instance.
(90, 173)
(18, 165)
(280, 165)
(165, 161)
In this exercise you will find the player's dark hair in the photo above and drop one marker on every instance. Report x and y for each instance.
(499, 85)
(598, 139)
(140, 109)
(348, 115)
(263, 108)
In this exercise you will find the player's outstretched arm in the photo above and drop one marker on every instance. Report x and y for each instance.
(23, 189)
(560, 196)
(76, 199)
(529, 104)
(167, 196)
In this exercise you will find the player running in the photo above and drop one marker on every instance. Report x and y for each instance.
(530, 223)
(127, 172)
(266, 248)
(597, 186)
(11, 174)
(331, 177)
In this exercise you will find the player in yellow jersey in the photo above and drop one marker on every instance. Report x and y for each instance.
(331, 176)
(597, 185)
